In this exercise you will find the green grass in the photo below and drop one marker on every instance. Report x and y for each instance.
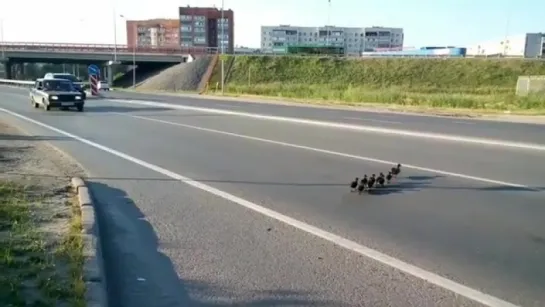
(34, 271)
(475, 84)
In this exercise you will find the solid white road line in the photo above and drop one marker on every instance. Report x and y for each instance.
(410, 269)
(334, 153)
(463, 123)
(399, 132)
(373, 120)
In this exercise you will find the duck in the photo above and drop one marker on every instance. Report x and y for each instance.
(396, 170)
(389, 177)
(381, 180)
(372, 181)
(363, 184)
(354, 184)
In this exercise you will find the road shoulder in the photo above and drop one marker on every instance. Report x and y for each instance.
(40, 224)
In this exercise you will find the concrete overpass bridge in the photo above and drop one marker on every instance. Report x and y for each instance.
(103, 55)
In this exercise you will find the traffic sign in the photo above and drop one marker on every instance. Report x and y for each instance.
(93, 70)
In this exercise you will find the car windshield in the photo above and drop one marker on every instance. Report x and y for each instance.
(57, 85)
(66, 77)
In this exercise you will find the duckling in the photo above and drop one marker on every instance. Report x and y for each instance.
(354, 184)
(363, 184)
(396, 170)
(372, 181)
(389, 177)
(380, 179)
(361, 188)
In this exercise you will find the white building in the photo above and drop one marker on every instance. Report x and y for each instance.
(529, 45)
(354, 40)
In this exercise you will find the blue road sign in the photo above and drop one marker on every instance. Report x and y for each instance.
(93, 70)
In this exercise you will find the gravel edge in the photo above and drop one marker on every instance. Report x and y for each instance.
(93, 272)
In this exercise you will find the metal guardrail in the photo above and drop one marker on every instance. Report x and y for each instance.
(26, 83)
(104, 48)
(20, 83)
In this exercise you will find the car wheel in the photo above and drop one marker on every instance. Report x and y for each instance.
(46, 106)
(80, 108)
(34, 103)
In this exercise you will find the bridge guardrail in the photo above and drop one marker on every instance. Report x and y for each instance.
(25, 83)
(22, 83)
(104, 48)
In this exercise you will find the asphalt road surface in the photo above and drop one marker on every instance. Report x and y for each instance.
(520, 132)
(474, 215)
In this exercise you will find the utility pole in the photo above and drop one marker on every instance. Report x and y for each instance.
(328, 21)
(222, 48)
(2, 37)
(115, 34)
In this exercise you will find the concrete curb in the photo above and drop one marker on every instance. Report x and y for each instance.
(93, 273)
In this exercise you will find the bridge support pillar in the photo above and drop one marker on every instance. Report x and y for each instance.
(8, 74)
(110, 75)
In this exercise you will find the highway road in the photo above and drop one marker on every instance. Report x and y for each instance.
(468, 213)
(520, 132)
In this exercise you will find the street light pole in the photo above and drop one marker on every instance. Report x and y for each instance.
(222, 47)
(328, 22)
(115, 35)
(134, 65)
(2, 38)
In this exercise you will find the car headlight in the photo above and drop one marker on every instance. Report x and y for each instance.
(78, 97)
(53, 97)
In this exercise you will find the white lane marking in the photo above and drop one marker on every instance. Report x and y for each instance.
(373, 120)
(463, 123)
(437, 136)
(408, 268)
(335, 153)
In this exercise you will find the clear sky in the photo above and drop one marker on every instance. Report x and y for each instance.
(426, 22)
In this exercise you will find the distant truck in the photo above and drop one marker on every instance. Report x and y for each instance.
(66, 76)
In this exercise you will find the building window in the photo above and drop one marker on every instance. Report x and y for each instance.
(199, 40)
(186, 17)
(186, 28)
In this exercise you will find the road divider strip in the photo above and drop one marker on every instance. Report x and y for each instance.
(362, 128)
(430, 277)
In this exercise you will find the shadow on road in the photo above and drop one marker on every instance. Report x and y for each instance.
(399, 185)
(9, 137)
(139, 274)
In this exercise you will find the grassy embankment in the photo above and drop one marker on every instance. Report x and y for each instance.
(34, 269)
(462, 84)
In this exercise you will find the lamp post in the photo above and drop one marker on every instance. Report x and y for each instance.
(133, 56)
(2, 37)
(222, 47)
(115, 34)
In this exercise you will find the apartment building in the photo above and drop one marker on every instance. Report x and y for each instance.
(354, 40)
(153, 33)
(205, 27)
